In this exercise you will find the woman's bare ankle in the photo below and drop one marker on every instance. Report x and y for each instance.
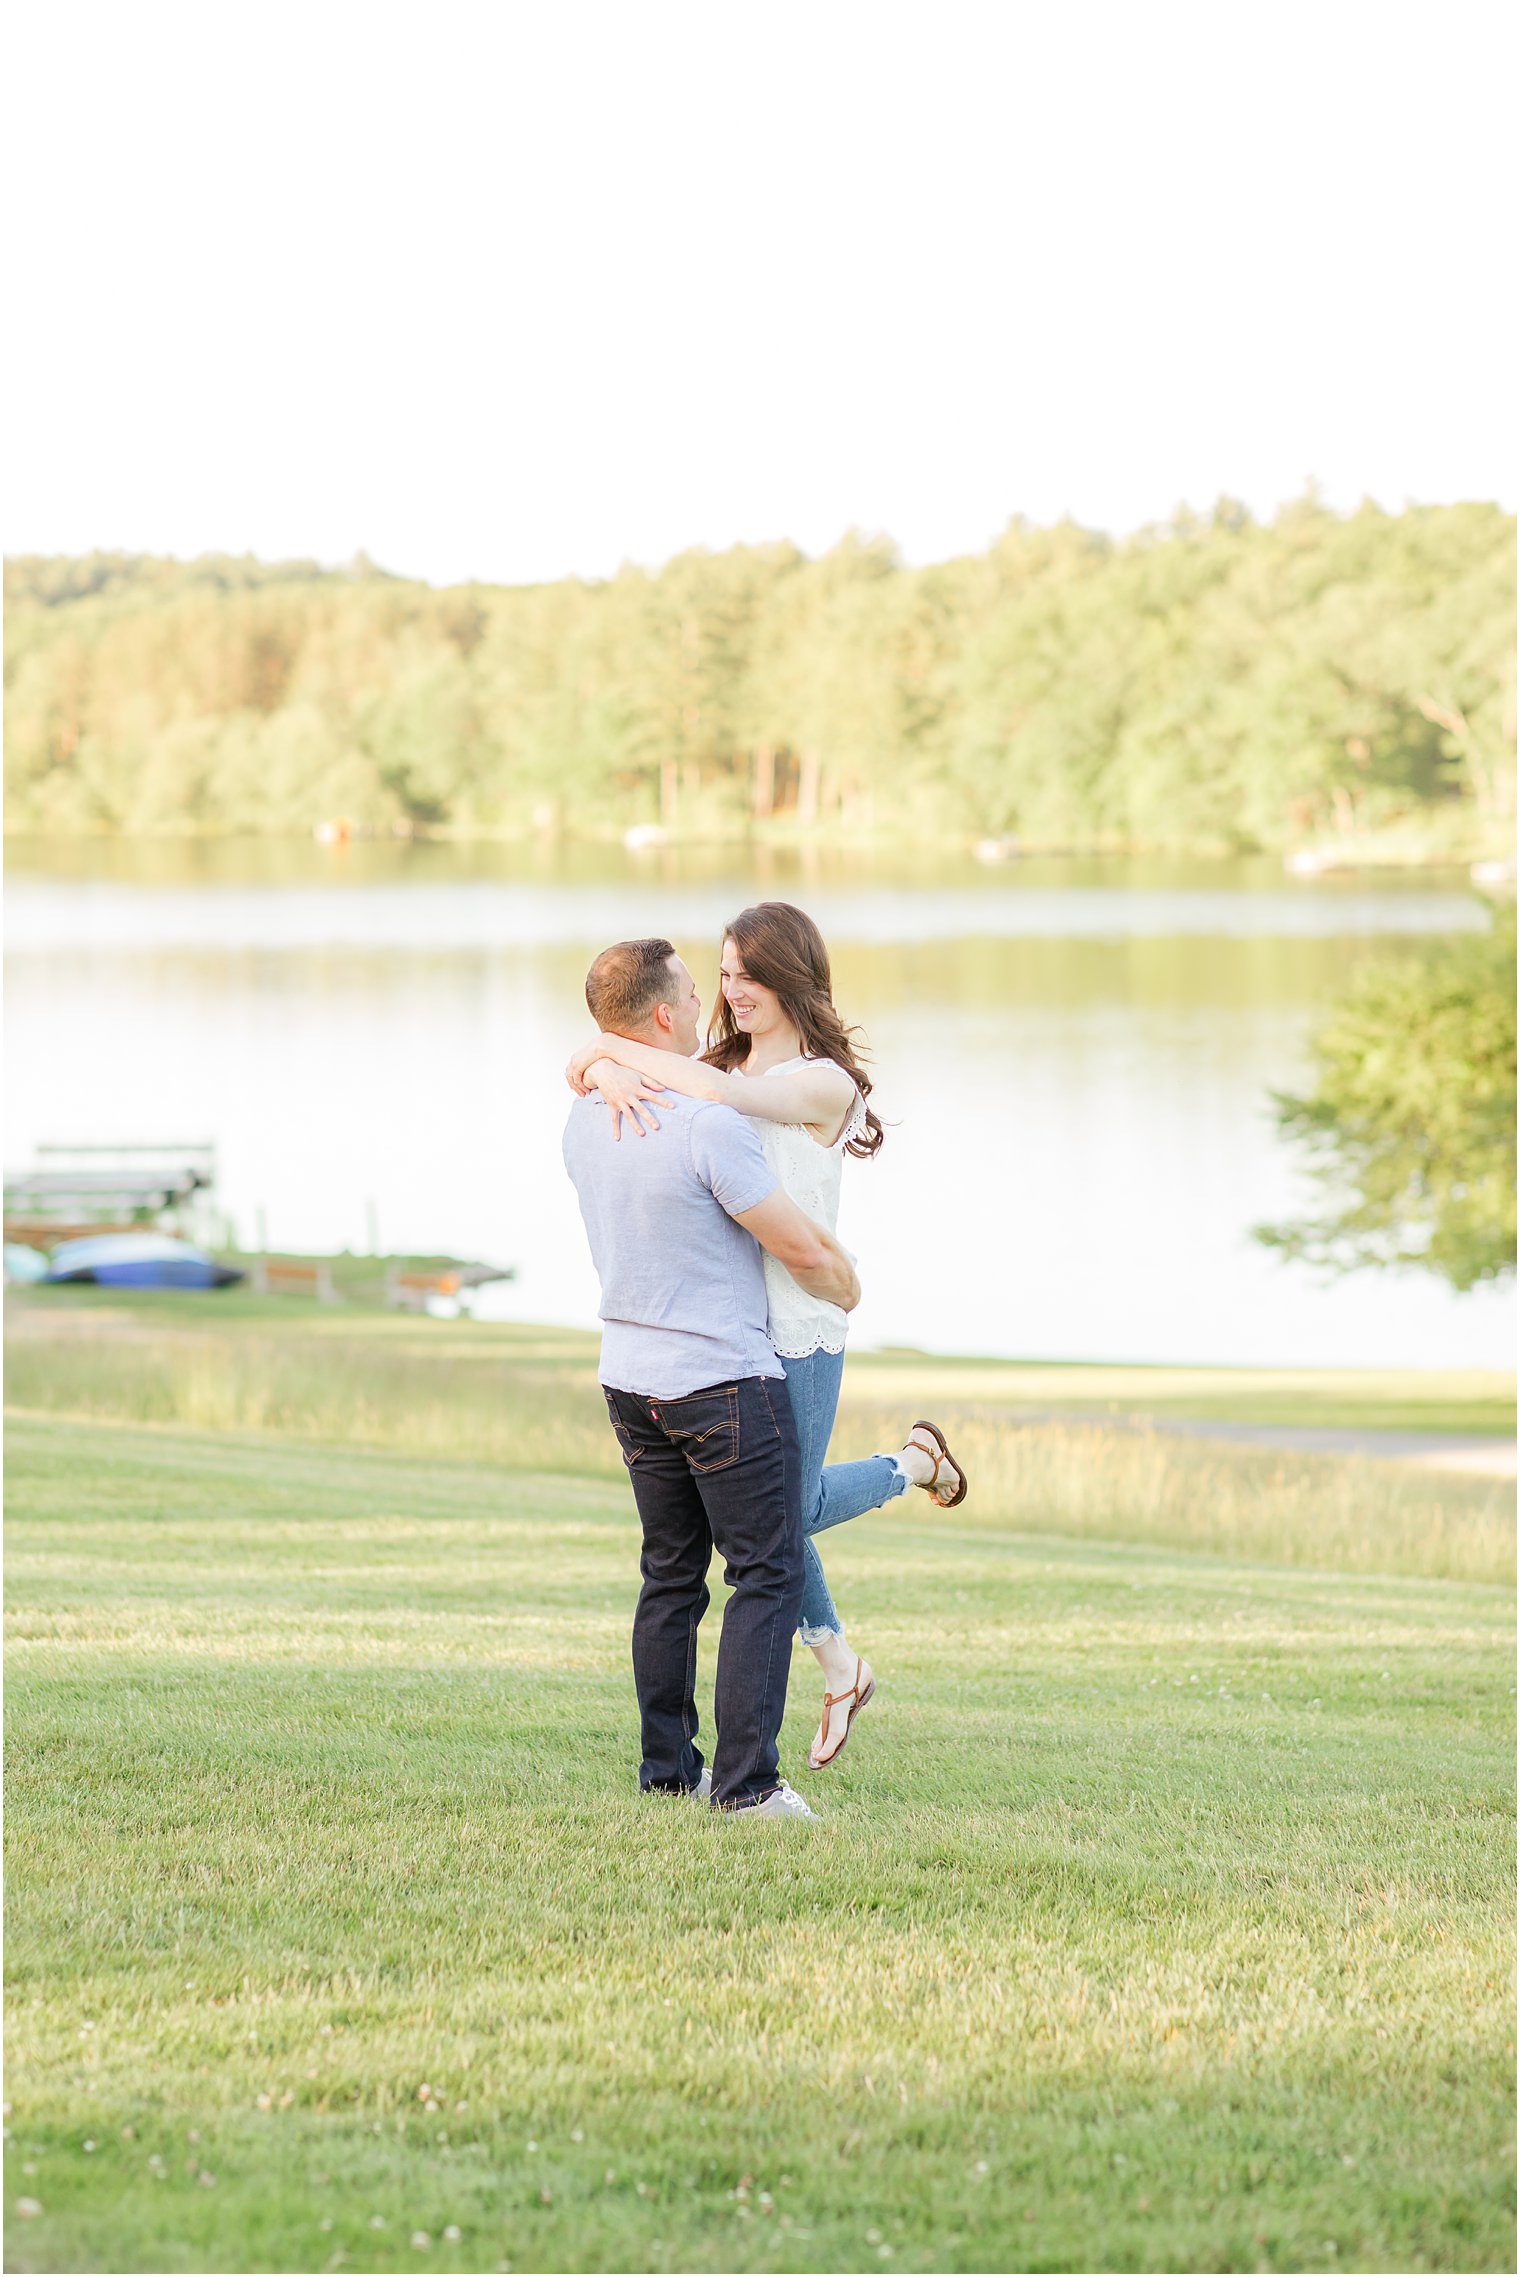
(837, 1662)
(917, 1463)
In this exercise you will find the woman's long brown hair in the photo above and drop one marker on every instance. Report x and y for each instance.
(783, 950)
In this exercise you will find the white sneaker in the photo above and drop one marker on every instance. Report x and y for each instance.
(783, 1802)
(700, 1793)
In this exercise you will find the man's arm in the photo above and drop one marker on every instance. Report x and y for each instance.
(812, 1257)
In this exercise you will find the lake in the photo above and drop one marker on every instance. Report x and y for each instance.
(1074, 1059)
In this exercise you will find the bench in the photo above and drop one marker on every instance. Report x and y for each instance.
(294, 1277)
(413, 1292)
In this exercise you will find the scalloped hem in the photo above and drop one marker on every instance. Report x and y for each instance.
(820, 1343)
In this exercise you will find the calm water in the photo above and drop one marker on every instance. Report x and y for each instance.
(1074, 1056)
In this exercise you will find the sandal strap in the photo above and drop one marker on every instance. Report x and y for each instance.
(939, 1456)
(859, 1692)
(835, 1699)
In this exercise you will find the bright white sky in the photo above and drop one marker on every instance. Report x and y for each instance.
(514, 288)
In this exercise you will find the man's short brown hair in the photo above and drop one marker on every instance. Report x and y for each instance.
(628, 981)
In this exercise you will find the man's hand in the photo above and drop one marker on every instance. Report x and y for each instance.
(812, 1257)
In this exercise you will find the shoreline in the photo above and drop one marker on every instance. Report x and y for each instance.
(1302, 859)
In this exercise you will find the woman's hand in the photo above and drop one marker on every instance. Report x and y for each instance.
(601, 1047)
(579, 1061)
(626, 1092)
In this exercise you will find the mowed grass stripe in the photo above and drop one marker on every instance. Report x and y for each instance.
(1158, 1919)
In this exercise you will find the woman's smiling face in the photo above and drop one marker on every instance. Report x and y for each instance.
(756, 1010)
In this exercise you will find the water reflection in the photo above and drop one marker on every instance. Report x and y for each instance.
(168, 863)
(1079, 1135)
(417, 910)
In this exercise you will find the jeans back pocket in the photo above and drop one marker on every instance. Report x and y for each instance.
(704, 1427)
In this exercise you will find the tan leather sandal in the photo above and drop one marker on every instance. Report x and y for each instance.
(861, 1695)
(942, 1502)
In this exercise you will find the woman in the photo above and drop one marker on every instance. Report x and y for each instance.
(778, 1051)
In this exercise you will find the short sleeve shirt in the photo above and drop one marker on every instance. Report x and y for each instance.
(683, 1289)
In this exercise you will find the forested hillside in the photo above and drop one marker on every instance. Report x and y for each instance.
(1219, 683)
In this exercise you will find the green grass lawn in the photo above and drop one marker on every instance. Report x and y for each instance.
(1159, 1917)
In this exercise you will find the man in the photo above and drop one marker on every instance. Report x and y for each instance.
(696, 1394)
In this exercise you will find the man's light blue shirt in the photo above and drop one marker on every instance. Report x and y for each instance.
(683, 1288)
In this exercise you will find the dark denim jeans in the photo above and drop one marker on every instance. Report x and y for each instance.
(717, 1467)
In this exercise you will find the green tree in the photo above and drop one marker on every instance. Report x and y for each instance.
(1209, 682)
(422, 731)
(1410, 1127)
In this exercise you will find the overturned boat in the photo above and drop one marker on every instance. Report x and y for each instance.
(139, 1261)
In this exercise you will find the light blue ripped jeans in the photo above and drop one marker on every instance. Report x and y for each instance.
(832, 1492)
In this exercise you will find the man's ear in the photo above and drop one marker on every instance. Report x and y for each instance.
(663, 1018)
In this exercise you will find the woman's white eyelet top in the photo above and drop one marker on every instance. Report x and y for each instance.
(810, 1175)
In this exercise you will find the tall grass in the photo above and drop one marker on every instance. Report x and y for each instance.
(1138, 1484)
(530, 1405)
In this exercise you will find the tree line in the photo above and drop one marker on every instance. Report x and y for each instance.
(1216, 683)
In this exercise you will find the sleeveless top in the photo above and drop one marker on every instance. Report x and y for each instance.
(809, 1174)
